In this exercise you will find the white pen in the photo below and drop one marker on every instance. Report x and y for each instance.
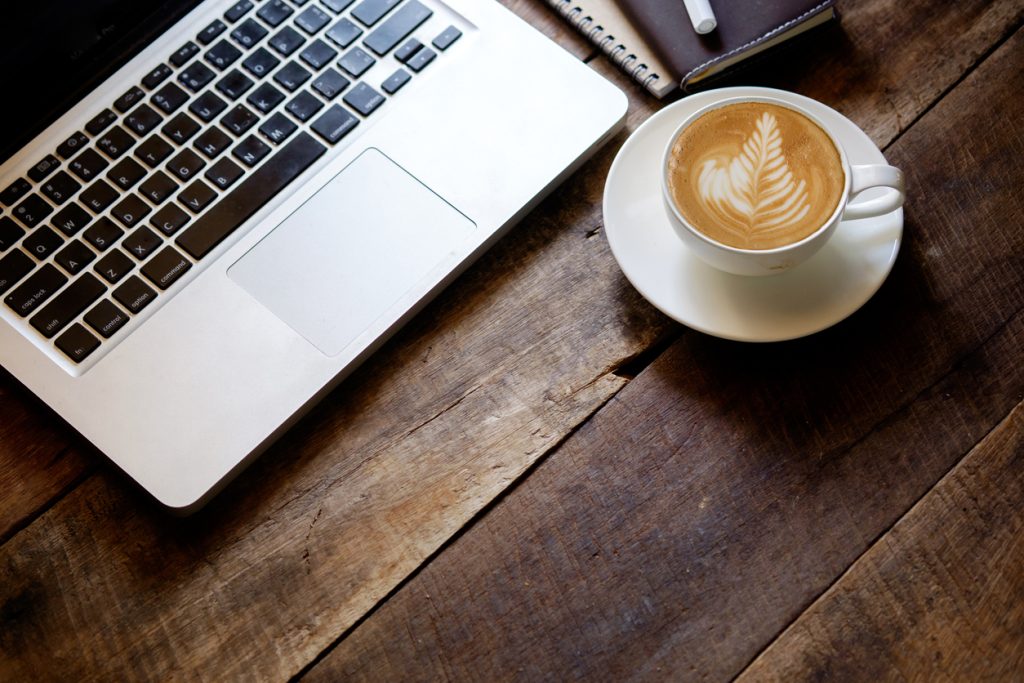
(701, 16)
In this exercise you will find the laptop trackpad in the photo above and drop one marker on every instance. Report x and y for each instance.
(351, 251)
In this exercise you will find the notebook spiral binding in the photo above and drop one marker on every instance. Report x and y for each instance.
(606, 42)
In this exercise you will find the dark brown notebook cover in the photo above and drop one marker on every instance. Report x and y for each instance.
(744, 28)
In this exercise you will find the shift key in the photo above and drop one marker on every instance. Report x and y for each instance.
(35, 290)
(68, 304)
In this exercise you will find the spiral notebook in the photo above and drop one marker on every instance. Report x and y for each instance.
(654, 43)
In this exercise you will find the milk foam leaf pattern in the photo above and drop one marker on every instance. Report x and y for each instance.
(755, 193)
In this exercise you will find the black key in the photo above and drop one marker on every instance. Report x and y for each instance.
(70, 147)
(88, 164)
(153, 151)
(44, 168)
(248, 33)
(334, 124)
(235, 84)
(330, 83)
(39, 287)
(207, 106)
(134, 294)
(77, 343)
(197, 196)
(363, 99)
(274, 12)
(312, 19)
(397, 27)
(222, 55)
(196, 76)
(286, 41)
(114, 266)
(237, 11)
(126, 173)
(75, 257)
(318, 54)
(42, 242)
(71, 219)
(103, 233)
(224, 173)
(158, 187)
(265, 97)
(169, 98)
(395, 81)
(207, 35)
(184, 53)
(130, 211)
(129, 99)
(106, 318)
(337, 5)
(356, 61)
(251, 194)
(10, 233)
(115, 142)
(141, 243)
(250, 151)
(169, 219)
(98, 196)
(421, 59)
(303, 106)
(278, 127)
(78, 296)
(32, 210)
(446, 37)
(260, 62)
(239, 120)
(60, 187)
(212, 142)
(15, 191)
(156, 76)
(185, 164)
(100, 122)
(370, 11)
(165, 268)
(142, 120)
(13, 267)
(344, 32)
(181, 128)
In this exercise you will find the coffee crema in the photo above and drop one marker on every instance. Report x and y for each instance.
(755, 175)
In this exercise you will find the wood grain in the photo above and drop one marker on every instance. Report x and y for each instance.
(726, 487)
(940, 597)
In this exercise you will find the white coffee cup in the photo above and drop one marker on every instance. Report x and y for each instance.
(774, 261)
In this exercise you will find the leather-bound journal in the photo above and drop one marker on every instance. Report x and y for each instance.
(654, 42)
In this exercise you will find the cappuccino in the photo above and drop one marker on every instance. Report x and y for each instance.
(755, 175)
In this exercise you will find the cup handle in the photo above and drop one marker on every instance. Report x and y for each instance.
(875, 175)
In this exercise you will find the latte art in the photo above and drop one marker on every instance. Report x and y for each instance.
(755, 175)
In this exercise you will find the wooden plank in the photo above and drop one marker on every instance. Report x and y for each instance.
(696, 515)
(939, 597)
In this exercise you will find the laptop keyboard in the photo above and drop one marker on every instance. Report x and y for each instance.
(104, 225)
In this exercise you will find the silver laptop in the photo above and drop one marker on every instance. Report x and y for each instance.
(213, 211)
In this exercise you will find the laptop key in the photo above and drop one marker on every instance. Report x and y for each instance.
(260, 62)
(42, 242)
(207, 106)
(318, 54)
(60, 188)
(239, 120)
(278, 127)
(291, 76)
(32, 210)
(251, 194)
(407, 50)
(39, 287)
(106, 318)
(330, 83)
(181, 128)
(134, 294)
(222, 55)
(420, 60)
(184, 53)
(250, 151)
(100, 122)
(15, 191)
(129, 99)
(395, 81)
(126, 173)
(237, 11)
(77, 297)
(141, 243)
(185, 164)
(153, 151)
(71, 219)
(70, 147)
(13, 267)
(385, 37)
(224, 173)
(286, 41)
(44, 168)
(196, 76)
(212, 142)
(338, 6)
(164, 269)
(114, 266)
(156, 76)
(99, 196)
(169, 219)
(87, 165)
(75, 257)
(334, 124)
(208, 34)
(369, 12)
(446, 37)
(265, 97)
(312, 19)
(115, 142)
(169, 98)
(248, 33)
(77, 343)
(363, 99)
(10, 233)
(158, 187)
(142, 120)
(303, 106)
(274, 12)
(234, 84)
(130, 210)
(356, 61)
(197, 196)
(102, 234)
(344, 33)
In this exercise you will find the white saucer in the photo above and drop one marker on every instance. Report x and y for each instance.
(817, 294)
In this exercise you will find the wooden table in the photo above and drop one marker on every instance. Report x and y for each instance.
(542, 477)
